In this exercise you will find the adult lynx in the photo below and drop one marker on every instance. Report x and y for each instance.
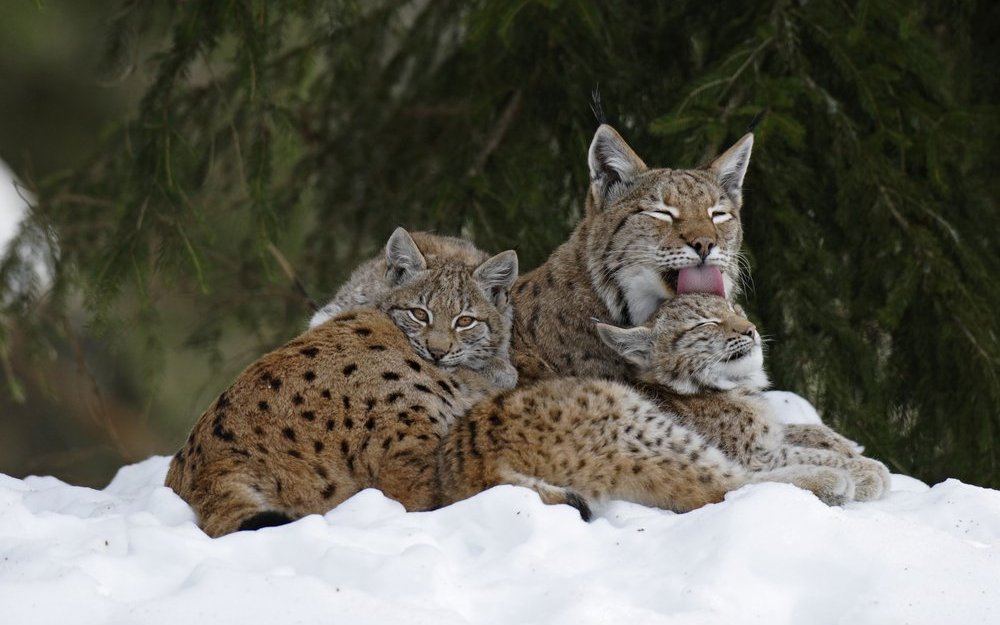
(647, 234)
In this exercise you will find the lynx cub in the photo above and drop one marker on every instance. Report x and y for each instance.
(702, 361)
(574, 440)
(373, 280)
(647, 234)
(353, 403)
(578, 441)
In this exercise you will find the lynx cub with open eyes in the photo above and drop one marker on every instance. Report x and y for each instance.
(373, 280)
(355, 402)
(701, 360)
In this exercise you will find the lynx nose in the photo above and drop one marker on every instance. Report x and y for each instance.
(437, 352)
(750, 331)
(703, 246)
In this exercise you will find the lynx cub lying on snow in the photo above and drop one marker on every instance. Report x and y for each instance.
(701, 360)
(351, 404)
(574, 440)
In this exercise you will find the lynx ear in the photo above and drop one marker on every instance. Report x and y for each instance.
(496, 275)
(731, 166)
(613, 165)
(403, 259)
(633, 344)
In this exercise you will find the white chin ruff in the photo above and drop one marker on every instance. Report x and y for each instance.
(747, 372)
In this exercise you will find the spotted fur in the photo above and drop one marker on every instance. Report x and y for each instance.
(641, 227)
(701, 359)
(582, 441)
(405, 256)
(368, 283)
(353, 403)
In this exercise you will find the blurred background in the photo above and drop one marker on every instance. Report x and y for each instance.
(180, 164)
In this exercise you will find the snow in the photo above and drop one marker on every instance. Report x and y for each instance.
(769, 553)
(787, 407)
(12, 207)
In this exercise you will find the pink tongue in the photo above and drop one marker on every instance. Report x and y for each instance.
(703, 279)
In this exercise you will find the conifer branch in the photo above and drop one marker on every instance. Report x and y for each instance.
(286, 267)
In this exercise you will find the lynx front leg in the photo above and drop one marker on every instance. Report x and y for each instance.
(818, 437)
(871, 477)
(834, 487)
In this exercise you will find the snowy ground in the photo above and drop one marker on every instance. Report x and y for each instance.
(769, 554)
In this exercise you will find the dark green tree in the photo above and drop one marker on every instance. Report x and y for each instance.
(299, 133)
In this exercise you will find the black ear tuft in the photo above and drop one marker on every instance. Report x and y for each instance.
(756, 120)
(595, 106)
(731, 166)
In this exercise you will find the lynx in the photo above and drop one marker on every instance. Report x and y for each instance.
(581, 441)
(371, 282)
(701, 360)
(578, 440)
(646, 235)
(359, 401)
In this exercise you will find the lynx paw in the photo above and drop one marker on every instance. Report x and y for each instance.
(834, 487)
(500, 374)
(871, 477)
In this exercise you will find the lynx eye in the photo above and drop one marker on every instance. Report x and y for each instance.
(662, 216)
(419, 314)
(719, 217)
(707, 322)
(464, 322)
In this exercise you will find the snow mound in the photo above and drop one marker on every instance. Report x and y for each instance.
(787, 407)
(769, 554)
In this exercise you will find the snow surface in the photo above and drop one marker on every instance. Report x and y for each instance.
(770, 553)
(787, 407)
(12, 207)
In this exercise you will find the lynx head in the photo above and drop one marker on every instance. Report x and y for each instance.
(697, 343)
(453, 315)
(655, 233)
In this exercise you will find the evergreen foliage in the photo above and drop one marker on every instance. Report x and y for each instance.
(314, 127)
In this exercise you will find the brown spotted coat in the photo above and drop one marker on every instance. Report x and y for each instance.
(346, 406)
(578, 441)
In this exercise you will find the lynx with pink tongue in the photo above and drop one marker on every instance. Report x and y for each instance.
(701, 279)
